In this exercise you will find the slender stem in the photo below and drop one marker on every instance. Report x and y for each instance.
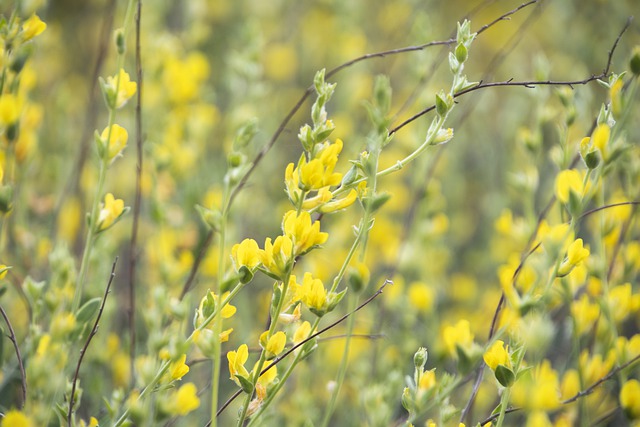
(344, 363)
(504, 400)
(12, 337)
(93, 218)
(83, 352)
(217, 326)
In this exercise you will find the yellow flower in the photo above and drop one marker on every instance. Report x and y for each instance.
(303, 331)
(313, 293)
(630, 398)
(421, 296)
(575, 255)
(584, 313)
(246, 253)
(93, 422)
(600, 138)
(275, 344)
(32, 27)
(268, 377)
(179, 369)
(112, 209)
(458, 335)
(496, 355)
(339, 204)
(568, 181)
(114, 142)
(615, 94)
(3, 271)
(324, 195)
(119, 92)
(276, 256)
(538, 390)
(570, 384)
(9, 109)
(15, 418)
(427, 380)
(186, 399)
(303, 234)
(237, 359)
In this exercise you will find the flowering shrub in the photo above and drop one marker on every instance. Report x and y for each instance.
(186, 241)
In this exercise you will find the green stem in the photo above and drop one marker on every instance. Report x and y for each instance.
(504, 401)
(215, 374)
(93, 219)
(344, 362)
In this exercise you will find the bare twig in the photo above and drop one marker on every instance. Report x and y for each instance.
(93, 332)
(133, 244)
(12, 337)
(527, 84)
(300, 344)
(196, 264)
(613, 205)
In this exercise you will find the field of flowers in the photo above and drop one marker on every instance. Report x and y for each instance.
(327, 213)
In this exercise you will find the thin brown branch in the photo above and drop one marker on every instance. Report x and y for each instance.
(613, 205)
(93, 332)
(137, 204)
(196, 264)
(309, 338)
(527, 84)
(14, 341)
(595, 385)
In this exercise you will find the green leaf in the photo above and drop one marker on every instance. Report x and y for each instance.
(505, 376)
(88, 309)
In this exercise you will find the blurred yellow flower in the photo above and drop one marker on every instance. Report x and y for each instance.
(600, 138)
(119, 89)
(568, 181)
(114, 141)
(111, 210)
(186, 399)
(421, 296)
(538, 389)
(630, 398)
(9, 109)
(585, 313)
(15, 418)
(32, 27)
(179, 368)
(575, 255)
(302, 332)
(458, 335)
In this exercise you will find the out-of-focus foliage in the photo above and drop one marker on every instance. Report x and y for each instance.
(506, 168)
